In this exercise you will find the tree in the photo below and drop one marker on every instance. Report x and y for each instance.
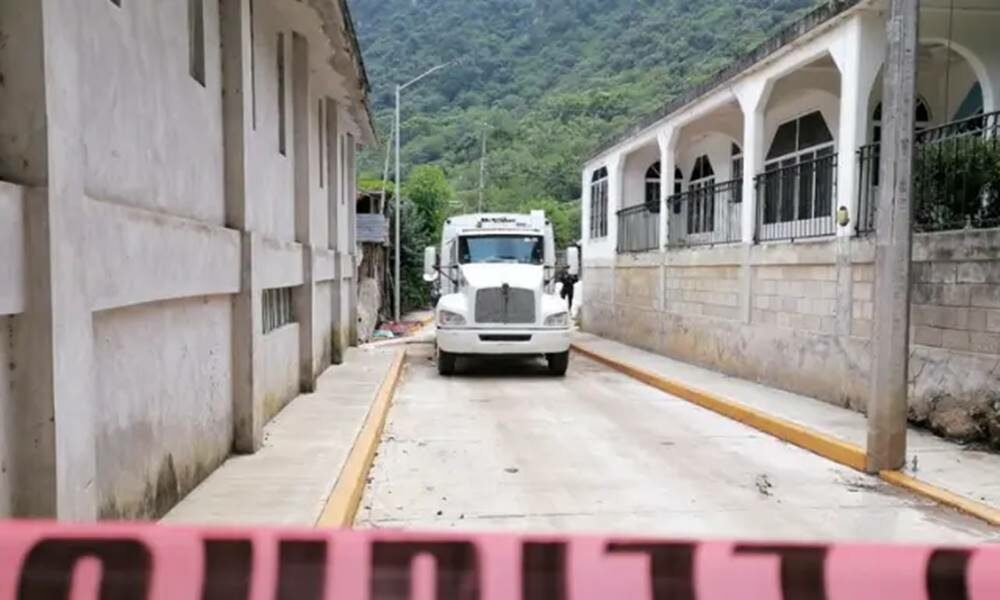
(431, 194)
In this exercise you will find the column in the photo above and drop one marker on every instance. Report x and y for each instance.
(336, 217)
(616, 193)
(54, 466)
(667, 141)
(752, 96)
(305, 294)
(859, 54)
(351, 179)
(236, 125)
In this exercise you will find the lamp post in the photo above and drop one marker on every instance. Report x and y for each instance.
(399, 89)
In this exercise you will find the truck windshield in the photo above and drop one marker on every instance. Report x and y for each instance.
(521, 249)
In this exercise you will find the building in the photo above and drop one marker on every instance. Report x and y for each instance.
(734, 229)
(176, 237)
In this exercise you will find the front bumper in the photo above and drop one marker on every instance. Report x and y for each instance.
(503, 341)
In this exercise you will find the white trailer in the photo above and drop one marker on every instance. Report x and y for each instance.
(496, 278)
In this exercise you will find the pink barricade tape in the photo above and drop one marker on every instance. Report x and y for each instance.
(48, 561)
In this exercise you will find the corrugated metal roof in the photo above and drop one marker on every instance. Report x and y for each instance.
(373, 229)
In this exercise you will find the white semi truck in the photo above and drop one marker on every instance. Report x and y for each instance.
(495, 274)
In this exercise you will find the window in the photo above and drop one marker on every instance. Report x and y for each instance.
(281, 95)
(599, 204)
(678, 190)
(320, 141)
(278, 310)
(701, 201)
(922, 116)
(253, 69)
(196, 39)
(653, 187)
(799, 171)
(519, 249)
(737, 162)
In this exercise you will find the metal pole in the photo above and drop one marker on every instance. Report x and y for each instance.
(887, 405)
(398, 217)
(385, 170)
(482, 171)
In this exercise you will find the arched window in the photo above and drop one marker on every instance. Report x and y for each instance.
(922, 116)
(599, 203)
(653, 187)
(737, 165)
(801, 164)
(678, 190)
(701, 202)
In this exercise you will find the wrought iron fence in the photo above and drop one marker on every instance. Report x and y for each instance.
(638, 229)
(796, 201)
(956, 177)
(706, 215)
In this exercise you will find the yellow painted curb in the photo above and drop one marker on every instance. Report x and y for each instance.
(803, 437)
(342, 504)
(977, 509)
(793, 433)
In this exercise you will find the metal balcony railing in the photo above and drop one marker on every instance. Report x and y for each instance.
(706, 215)
(956, 177)
(638, 229)
(796, 201)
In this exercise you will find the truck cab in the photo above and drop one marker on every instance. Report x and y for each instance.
(496, 281)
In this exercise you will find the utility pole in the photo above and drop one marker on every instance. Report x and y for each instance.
(399, 90)
(482, 168)
(887, 404)
(397, 218)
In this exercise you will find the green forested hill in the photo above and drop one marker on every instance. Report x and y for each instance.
(550, 77)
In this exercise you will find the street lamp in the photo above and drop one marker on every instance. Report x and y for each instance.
(400, 88)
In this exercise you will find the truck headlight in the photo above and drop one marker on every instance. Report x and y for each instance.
(557, 320)
(447, 318)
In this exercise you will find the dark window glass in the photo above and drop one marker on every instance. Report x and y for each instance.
(813, 131)
(784, 141)
(501, 249)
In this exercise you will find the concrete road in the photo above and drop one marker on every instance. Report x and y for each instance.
(505, 447)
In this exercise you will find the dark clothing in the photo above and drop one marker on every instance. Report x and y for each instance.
(567, 281)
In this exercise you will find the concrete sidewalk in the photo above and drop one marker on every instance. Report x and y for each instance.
(964, 471)
(288, 481)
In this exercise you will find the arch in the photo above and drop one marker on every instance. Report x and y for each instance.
(652, 190)
(977, 66)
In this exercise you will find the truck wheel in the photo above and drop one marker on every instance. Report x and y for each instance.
(558, 363)
(446, 363)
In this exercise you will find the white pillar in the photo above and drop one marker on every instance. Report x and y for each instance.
(858, 54)
(616, 193)
(752, 96)
(585, 208)
(667, 140)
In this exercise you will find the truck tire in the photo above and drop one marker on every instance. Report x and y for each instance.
(446, 363)
(558, 363)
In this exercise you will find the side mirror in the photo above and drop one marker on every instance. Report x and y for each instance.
(573, 260)
(430, 264)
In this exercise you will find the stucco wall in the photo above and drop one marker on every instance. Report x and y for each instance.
(153, 134)
(808, 326)
(279, 368)
(323, 326)
(270, 181)
(164, 382)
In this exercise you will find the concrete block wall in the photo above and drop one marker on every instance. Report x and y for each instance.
(798, 316)
(142, 216)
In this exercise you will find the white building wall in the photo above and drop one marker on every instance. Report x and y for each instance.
(158, 309)
(165, 386)
(269, 182)
(153, 134)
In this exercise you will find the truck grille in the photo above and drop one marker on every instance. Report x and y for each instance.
(497, 305)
